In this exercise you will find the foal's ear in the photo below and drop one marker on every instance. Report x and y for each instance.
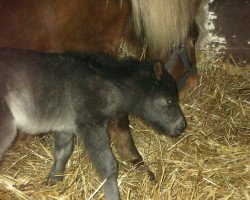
(158, 70)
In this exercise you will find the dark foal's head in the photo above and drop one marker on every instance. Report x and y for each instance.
(161, 108)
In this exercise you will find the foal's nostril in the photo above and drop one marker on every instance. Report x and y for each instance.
(183, 125)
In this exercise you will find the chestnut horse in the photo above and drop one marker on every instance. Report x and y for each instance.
(167, 27)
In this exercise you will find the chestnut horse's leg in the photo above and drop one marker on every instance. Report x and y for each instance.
(63, 148)
(123, 142)
(7, 127)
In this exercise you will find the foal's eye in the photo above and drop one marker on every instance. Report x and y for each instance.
(169, 102)
(164, 101)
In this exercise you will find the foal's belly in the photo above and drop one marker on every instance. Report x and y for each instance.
(32, 119)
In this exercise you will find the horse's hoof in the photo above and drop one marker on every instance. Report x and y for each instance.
(140, 165)
(151, 176)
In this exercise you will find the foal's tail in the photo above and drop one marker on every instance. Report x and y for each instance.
(164, 23)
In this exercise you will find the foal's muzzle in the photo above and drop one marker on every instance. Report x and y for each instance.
(178, 127)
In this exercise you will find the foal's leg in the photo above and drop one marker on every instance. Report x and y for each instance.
(7, 127)
(63, 148)
(97, 144)
(123, 142)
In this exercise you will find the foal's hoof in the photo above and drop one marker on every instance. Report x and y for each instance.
(52, 180)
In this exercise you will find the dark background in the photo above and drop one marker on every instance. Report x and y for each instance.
(233, 23)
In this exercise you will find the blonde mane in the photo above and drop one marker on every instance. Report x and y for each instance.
(164, 24)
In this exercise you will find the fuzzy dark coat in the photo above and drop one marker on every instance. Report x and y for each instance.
(77, 94)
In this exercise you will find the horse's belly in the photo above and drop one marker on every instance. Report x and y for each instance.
(31, 119)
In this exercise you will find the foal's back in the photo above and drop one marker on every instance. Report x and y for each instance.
(44, 90)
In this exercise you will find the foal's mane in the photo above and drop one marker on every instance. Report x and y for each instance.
(123, 73)
(111, 65)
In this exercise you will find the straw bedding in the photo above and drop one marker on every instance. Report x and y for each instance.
(211, 160)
